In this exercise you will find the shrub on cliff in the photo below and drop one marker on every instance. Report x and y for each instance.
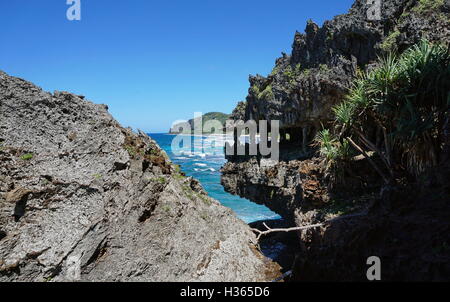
(428, 5)
(337, 154)
(398, 110)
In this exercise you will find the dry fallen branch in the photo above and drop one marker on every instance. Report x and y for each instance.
(306, 227)
(269, 230)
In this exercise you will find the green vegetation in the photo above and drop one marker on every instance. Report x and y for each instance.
(324, 67)
(292, 73)
(431, 6)
(397, 112)
(162, 180)
(27, 156)
(192, 195)
(330, 36)
(148, 153)
(272, 193)
(331, 148)
(131, 150)
(219, 116)
(137, 148)
(267, 93)
(389, 44)
(179, 176)
(275, 70)
(255, 90)
(188, 192)
(306, 72)
(97, 176)
(211, 116)
(359, 70)
(404, 15)
(153, 151)
(48, 279)
(288, 72)
(428, 5)
(206, 200)
(337, 154)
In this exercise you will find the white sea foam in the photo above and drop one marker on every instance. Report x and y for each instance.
(200, 165)
(204, 161)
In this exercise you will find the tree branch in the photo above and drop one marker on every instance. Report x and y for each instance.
(386, 180)
(373, 147)
(306, 227)
(269, 230)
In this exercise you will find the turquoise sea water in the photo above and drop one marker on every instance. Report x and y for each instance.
(203, 161)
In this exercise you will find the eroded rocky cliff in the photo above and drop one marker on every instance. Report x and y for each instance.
(78, 190)
(305, 85)
(360, 222)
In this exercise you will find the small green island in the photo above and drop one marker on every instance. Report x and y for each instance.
(210, 116)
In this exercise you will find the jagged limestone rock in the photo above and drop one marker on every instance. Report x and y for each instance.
(300, 92)
(305, 85)
(94, 195)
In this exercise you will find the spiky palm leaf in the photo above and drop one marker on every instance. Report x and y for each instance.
(406, 98)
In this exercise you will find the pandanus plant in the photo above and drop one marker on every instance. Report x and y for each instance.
(397, 111)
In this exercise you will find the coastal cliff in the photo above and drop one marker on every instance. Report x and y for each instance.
(304, 86)
(79, 193)
(405, 224)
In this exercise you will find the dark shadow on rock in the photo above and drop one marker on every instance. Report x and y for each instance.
(280, 247)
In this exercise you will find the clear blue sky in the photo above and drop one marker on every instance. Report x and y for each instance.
(153, 62)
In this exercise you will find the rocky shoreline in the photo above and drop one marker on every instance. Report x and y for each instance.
(404, 224)
(84, 199)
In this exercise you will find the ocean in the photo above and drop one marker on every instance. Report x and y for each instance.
(203, 161)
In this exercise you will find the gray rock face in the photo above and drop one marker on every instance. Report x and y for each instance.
(238, 113)
(300, 92)
(79, 194)
(287, 188)
(304, 86)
